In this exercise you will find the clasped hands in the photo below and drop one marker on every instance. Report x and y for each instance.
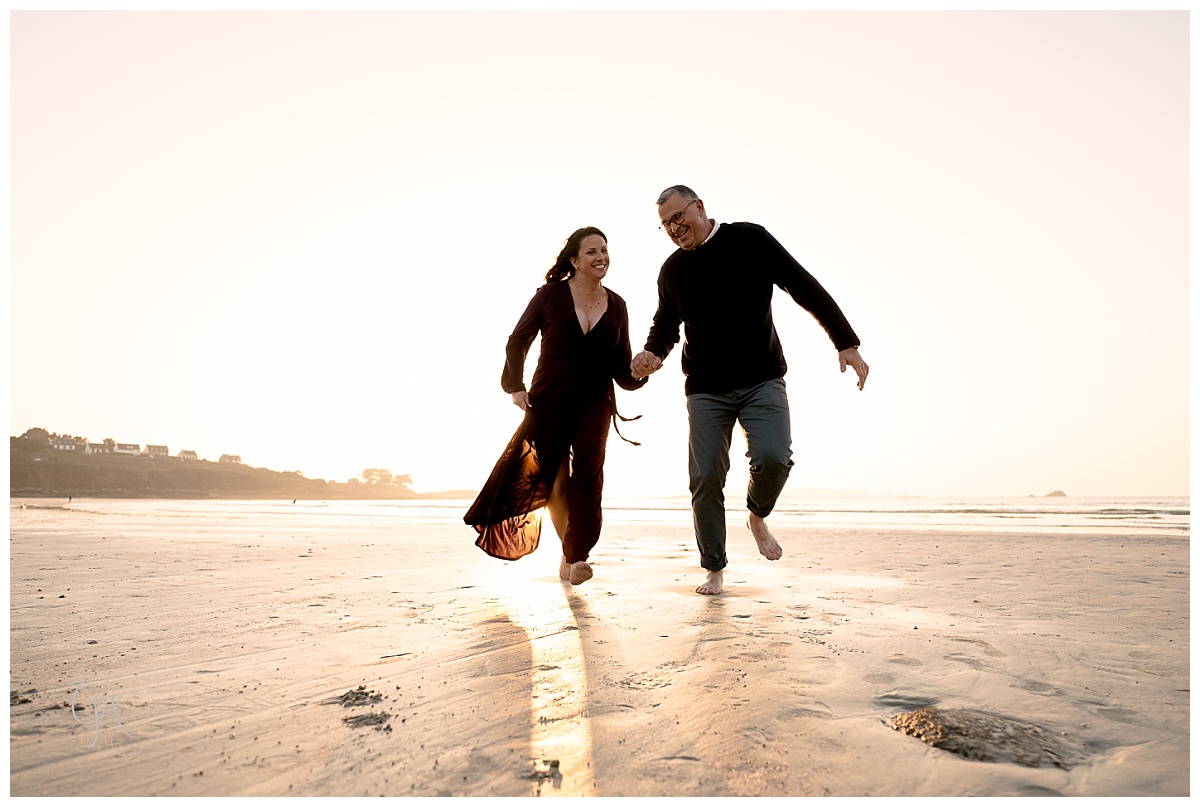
(644, 364)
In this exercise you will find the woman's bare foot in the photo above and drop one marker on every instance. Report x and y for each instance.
(767, 545)
(581, 572)
(712, 583)
(564, 570)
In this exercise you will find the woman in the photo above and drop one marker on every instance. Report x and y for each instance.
(556, 458)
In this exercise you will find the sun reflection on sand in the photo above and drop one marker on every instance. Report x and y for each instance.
(560, 736)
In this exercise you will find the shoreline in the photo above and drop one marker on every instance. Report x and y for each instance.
(183, 496)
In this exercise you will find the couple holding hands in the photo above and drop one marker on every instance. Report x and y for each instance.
(718, 284)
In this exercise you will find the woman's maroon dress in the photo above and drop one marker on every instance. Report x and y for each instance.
(572, 403)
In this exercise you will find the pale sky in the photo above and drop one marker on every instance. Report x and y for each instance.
(304, 237)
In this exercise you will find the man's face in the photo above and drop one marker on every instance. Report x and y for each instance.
(684, 220)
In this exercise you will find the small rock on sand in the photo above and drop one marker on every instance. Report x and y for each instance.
(987, 737)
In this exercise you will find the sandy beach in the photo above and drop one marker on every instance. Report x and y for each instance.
(160, 654)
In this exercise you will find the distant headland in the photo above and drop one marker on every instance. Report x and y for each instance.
(43, 464)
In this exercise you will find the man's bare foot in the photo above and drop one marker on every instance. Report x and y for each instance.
(581, 572)
(767, 545)
(564, 570)
(712, 583)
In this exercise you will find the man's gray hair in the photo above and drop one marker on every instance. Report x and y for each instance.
(682, 190)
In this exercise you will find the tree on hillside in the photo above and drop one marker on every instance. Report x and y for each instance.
(377, 476)
(31, 442)
(385, 478)
(37, 435)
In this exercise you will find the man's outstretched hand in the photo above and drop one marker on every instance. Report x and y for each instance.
(850, 357)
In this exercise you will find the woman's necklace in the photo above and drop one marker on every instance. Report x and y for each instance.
(579, 296)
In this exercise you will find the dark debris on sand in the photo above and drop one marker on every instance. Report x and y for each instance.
(546, 771)
(378, 720)
(361, 696)
(356, 697)
(986, 737)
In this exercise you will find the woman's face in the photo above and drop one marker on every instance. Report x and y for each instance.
(592, 259)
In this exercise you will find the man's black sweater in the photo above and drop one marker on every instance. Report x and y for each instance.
(721, 292)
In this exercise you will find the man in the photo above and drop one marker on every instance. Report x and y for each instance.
(718, 284)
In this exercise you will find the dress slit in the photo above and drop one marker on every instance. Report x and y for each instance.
(507, 514)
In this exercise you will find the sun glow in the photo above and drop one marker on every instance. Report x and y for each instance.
(304, 237)
(560, 741)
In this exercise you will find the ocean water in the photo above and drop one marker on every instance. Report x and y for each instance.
(1165, 516)
(1103, 516)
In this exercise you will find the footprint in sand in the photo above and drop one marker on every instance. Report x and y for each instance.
(641, 682)
(904, 702)
(1037, 687)
(1116, 714)
(750, 655)
(798, 712)
(987, 648)
(973, 663)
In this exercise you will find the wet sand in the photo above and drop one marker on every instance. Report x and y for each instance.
(154, 655)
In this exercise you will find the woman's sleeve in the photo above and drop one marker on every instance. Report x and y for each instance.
(623, 355)
(513, 378)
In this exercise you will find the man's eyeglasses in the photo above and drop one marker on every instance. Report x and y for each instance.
(675, 220)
